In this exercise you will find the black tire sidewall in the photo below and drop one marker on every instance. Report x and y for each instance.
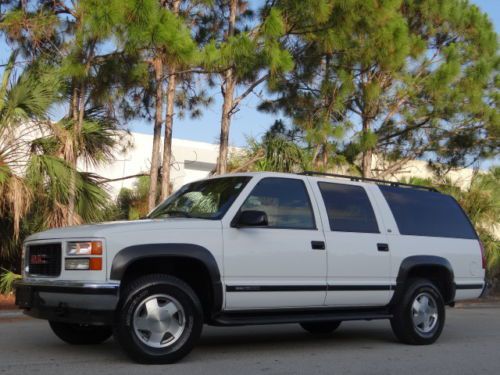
(124, 331)
(402, 323)
(319, 328)
(78, 334)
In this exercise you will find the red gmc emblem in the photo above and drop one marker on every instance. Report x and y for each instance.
(38, 259)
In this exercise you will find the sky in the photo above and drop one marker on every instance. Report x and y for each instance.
(247, 122)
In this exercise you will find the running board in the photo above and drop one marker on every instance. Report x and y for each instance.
(296, 316)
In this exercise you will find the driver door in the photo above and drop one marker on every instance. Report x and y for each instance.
(283, 263)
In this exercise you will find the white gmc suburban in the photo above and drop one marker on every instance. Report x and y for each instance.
(256, 248)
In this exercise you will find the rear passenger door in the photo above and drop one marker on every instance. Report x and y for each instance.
(359, 260)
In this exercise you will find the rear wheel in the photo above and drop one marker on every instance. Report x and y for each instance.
(159, 319)
(318, 328)
(81, 334)
(419, 317)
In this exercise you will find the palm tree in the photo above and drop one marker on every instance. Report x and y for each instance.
(24, 103)
(32, 158)
(274, 153)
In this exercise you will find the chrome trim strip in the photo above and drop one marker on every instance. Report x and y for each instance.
(68, 284)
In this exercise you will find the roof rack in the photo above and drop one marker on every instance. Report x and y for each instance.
(365, 179)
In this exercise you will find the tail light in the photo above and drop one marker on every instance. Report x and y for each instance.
(483, 254)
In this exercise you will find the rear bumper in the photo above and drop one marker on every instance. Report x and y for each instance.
(71, 302)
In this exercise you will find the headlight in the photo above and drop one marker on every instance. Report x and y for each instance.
(91, 249)
(84, 248)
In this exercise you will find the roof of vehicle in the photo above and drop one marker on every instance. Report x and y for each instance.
(334, 176)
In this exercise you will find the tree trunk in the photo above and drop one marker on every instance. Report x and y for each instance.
(167, 145)
(169, 122)
(325, 157)
(225, 123)
(228, 91)
(366, 161)
(155, 155)
(78, 109)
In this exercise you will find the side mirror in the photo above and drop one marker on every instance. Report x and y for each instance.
(251, 219)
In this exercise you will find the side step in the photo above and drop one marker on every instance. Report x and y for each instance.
(297, 316)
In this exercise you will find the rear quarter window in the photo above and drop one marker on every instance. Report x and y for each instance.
(427, 213)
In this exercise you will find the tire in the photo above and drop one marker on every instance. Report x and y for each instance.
(320, 328)
(418, 319)
(81, 334)
(159, 319)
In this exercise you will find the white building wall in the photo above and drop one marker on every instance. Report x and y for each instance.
(191, 161)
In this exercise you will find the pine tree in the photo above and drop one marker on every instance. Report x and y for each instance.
(156, 35)
(410, 79)
(245, 54)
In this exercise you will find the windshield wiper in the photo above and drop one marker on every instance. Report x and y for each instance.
(177, 213)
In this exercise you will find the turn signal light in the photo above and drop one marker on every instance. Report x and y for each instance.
(95, 264)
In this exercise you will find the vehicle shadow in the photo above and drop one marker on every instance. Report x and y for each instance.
(218, 343)
(266, 338)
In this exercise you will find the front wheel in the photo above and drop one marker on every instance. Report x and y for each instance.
(158, 320)
(419, 317)
(81, 334)
(319, 328)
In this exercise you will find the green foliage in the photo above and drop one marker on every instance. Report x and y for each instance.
(132, 204)
(421, 75)
(29, 96)
(368, 140)
(7, 279)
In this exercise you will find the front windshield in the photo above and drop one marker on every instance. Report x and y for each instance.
(207, 199)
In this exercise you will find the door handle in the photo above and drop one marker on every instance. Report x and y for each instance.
(382, 247)
(318, 245)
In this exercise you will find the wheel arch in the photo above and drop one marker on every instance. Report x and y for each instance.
(434, 268)
(132, 257)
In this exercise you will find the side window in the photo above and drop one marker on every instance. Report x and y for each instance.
(348, 208)
(427, 213)
(284, 200)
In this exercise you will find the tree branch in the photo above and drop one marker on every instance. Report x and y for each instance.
(248, 91)
(106, 180)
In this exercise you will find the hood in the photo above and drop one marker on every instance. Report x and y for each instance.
(103, 230)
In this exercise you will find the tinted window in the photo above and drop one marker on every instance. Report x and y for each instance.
(348, 208)
(284, 200)
(427, 213)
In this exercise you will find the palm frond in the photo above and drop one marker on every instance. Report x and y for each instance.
(51, 175)
(28, 97)
(92, 198)
(7, 279)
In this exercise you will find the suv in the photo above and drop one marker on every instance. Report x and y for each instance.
(256, 248)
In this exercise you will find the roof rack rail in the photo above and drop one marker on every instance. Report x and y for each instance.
(377, 181)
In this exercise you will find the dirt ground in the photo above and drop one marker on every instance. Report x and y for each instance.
(7, 302)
